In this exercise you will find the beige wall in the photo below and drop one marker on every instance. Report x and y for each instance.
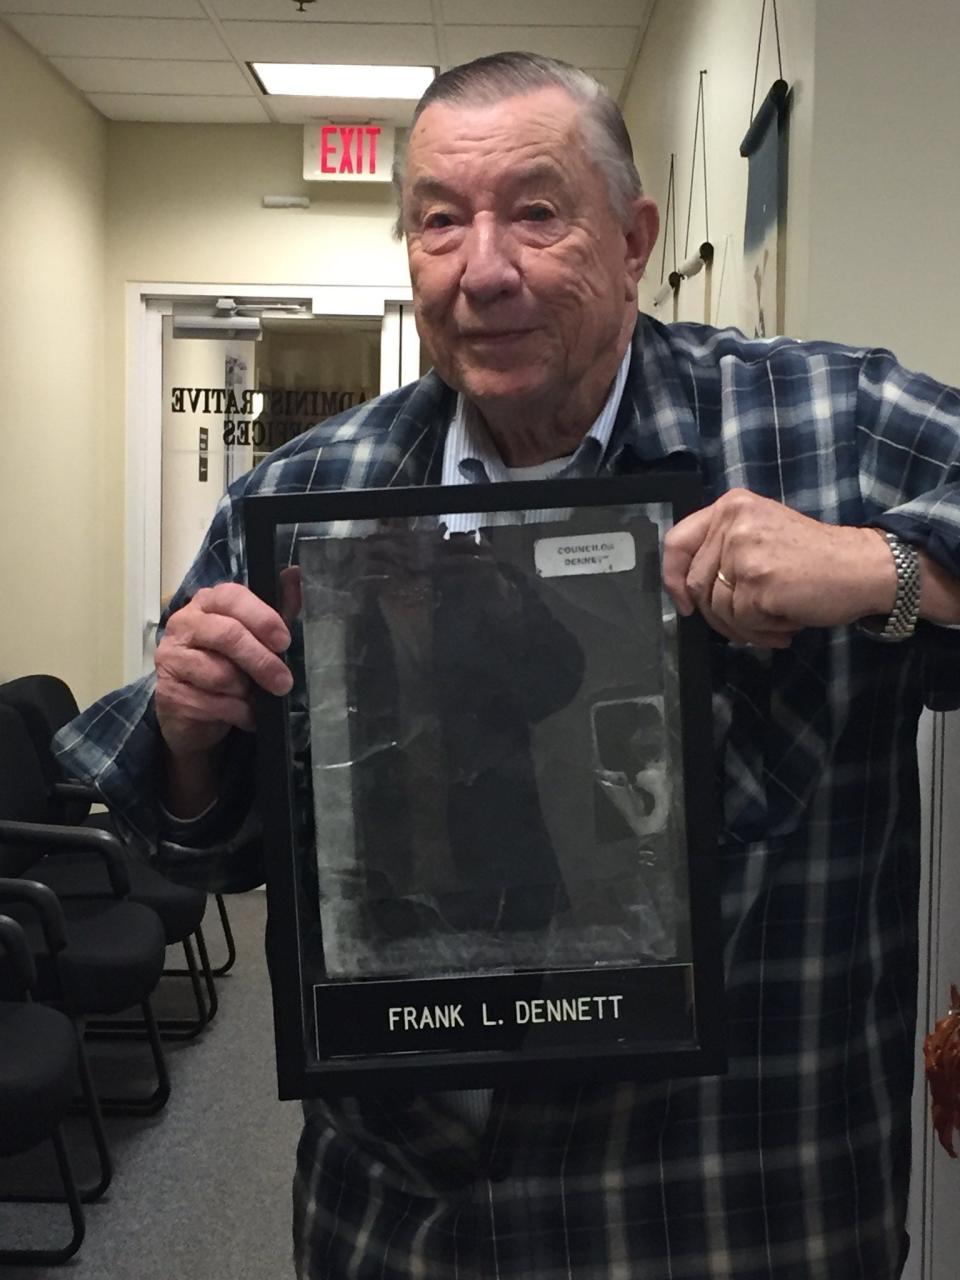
(719, 36)
(185, 204)
(883, 265)
(53, 476)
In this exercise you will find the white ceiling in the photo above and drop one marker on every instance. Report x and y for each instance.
(185, 60)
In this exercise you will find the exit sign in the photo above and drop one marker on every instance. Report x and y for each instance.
(347, 152)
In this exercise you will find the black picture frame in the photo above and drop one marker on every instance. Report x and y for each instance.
(329, 1037)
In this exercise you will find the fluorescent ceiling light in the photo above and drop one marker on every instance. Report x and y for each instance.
(337, 80)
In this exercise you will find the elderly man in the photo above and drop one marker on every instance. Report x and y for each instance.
(834, 528)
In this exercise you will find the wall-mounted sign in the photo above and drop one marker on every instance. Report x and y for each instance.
(347, 152)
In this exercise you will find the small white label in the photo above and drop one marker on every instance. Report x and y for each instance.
(594, 553)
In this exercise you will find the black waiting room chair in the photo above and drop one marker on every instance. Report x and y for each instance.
(46, 703)
(38, 1078)
(96, 956)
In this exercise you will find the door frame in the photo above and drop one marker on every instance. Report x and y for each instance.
(145, 305)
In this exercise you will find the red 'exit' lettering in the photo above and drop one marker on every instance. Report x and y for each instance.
(346, 148)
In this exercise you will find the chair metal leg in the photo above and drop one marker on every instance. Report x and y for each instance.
(72, 1195)
(156, 1101)
(213, 999)
(91, 1108)
(228, 938)
(185, 1028)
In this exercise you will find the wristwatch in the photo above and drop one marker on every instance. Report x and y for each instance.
(902, 621)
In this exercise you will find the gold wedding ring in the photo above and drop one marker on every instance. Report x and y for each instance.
(722, 577)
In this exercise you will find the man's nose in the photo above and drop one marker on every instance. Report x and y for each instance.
(490, 267)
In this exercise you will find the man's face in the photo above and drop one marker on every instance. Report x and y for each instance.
(524, 279)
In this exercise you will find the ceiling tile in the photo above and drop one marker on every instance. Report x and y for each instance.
(162, 108)
(583, 46)
(333, 42)
(567, 13)
(120, 37)
(141, 75)
(303, 110)
(326, 11)
(107, 8)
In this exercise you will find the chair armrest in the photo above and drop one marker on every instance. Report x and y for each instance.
(76, 791)
(14, 943)
(59, 839)
(44, 902)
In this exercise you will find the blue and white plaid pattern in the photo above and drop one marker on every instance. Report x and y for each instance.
(470, 456)
(794, 1165)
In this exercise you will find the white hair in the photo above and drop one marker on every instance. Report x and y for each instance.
(489, 80)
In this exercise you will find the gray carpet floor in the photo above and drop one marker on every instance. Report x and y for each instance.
(202, 1190)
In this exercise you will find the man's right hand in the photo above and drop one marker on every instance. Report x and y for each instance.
(213, 652)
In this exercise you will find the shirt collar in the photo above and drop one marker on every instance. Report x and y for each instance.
(659, 410)
(470, 456)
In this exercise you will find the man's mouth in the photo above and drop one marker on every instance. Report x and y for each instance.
(495, 335)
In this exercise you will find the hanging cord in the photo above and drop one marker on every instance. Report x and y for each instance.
(701, 116)
(756, 71)
(703, 125)
(666, 221)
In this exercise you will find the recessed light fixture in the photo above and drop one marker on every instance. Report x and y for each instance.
(338, 80)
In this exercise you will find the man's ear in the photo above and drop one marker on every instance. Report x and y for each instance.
(640, 235)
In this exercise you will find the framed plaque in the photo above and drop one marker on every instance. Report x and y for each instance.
(488, 800)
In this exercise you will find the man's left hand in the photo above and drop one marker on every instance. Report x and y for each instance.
(759, 572)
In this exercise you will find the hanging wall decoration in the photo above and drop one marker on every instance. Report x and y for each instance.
(669, 287)
(702, 258)
(764, 242)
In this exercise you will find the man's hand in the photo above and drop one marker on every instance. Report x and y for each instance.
(213, 652)
(759, 572)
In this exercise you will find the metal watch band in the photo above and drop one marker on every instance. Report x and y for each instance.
(901, 623)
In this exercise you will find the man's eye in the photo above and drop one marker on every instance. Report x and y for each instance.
(437, 221)
(537, 213)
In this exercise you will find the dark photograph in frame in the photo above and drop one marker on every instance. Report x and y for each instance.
(488, 799)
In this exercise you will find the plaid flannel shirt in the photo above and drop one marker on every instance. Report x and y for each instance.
(795, 1164)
